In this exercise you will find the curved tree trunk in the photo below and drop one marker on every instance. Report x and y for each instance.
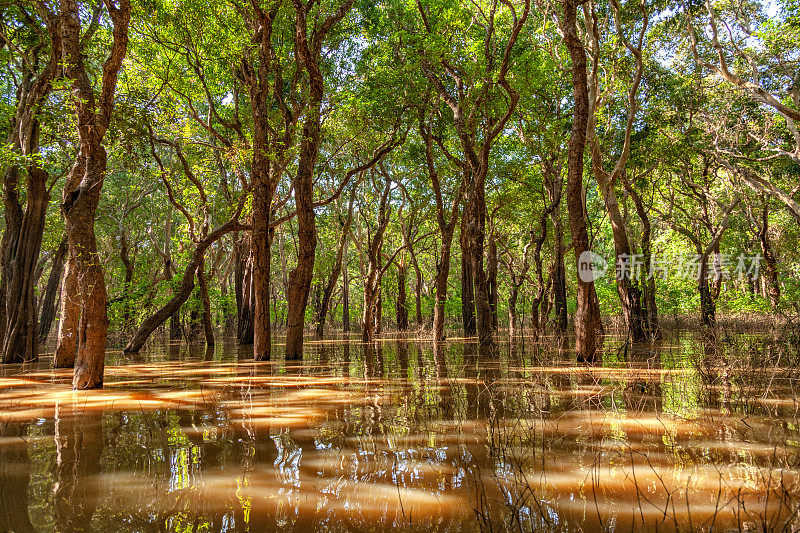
(185, 289)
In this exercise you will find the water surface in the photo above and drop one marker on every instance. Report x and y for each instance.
(689, 433)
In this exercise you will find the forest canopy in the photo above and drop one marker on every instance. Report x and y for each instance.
(191, 169)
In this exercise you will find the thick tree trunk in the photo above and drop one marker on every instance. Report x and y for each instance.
(476, 231)
(84, 183)
(51, 291)
(20, 339)
(258, 303)
(80, 204)
(70, 314)
(587, 316)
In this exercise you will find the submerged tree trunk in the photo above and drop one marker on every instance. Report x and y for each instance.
(587, 316)
(309, 51)
(83, 185)
(51, 291)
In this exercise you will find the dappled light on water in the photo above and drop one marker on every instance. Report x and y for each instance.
(679, 436)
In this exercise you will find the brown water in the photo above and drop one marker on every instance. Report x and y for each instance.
(687, 434)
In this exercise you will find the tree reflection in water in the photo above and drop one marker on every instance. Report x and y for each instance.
(692, 432)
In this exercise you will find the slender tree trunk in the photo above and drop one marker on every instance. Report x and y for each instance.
(208, 327)
(559, 276)
(491, 279)
(442, 276)
(770, 262)
(345, 297)
(587, 316)
(246, 326)
(418, 295)
(467, 293)
(337, 268)
(51, 291)
(401, 309)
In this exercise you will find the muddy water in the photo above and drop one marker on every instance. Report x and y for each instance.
(688, 434)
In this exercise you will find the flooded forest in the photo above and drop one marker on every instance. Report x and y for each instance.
(457, 266)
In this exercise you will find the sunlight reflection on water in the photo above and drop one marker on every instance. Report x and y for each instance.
(678, 436)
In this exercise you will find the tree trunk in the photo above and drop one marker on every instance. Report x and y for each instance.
(79, 207)
(337, 268)
(345, 298)
(84, 183)
(467, 293)
(491, 279)
(51, 291)
(22, 238)
(418, 295)
(401, 309)
(442, 276)
(559, 276)
(770, 262)
(587, 316)
(208, 327)
(476, 230)
(246, 325)
(258, 304)
(124, 255)
(25, 231)
(184, 290)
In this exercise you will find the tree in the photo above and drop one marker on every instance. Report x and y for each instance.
(84, 321)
